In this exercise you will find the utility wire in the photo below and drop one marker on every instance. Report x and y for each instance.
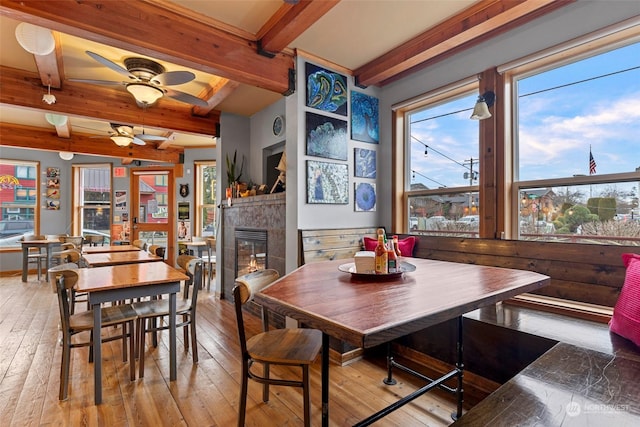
(443, 155)
(415, 172)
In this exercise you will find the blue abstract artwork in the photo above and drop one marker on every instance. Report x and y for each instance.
(364, 163)
(365, 200)
(364, 118)
(326, 137)
(327, 182)
(326, 90)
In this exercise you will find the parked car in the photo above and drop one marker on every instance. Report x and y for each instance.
(413, 223)
(469, 220)
(9, 228)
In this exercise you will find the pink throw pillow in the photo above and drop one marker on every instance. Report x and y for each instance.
(406, 245)
(626, 314)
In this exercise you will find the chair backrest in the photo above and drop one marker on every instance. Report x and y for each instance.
(157, 250)
(140, 244)
(69, 255)
(244, 289)
(93, 240)
(197, 279)
(54, 272)
(65, 281)
(55, 237)
(76, 241)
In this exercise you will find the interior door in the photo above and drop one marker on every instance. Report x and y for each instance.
(152, 207)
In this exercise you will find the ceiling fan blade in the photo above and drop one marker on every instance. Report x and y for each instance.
(138, 141)
(185, 97)
(146, 137)
(98, 82)
(108, 63)
(171, 78)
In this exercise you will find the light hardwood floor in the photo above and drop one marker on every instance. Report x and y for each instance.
(203, 395)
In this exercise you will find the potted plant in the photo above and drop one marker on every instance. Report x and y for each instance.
(232, 178)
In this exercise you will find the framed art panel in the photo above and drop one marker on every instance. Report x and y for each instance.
(365, 197)
(364, 163)
(326, 137)
(364, 118)
(327, 183)
(326, 90)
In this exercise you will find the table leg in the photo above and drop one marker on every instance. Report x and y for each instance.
(97, 353)
(325, 380)
(25, 263)
(460, 369)
(173, 374)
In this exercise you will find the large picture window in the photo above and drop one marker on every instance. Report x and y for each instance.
(18, 201)
(442, 168)
(92, 200)
(206, 212)
(577, 163)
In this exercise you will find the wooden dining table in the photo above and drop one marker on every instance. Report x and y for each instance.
(116, 258)
(109, 248)
(126, 281)
(366, 311)
(27, 244)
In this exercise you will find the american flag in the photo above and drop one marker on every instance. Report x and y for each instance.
(592, 163)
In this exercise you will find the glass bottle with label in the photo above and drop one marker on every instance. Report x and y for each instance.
(381, 257)
(393, 266)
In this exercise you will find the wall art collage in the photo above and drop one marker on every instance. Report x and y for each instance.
(52, 200)
(327, 136)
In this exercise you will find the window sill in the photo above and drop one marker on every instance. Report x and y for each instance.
(580, 310)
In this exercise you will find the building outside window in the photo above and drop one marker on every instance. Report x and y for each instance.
(442, 144)
(577, 161)
(92, 200)
(18, 201)
(205, 198)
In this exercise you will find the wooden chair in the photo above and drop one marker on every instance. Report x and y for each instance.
(186, 263)
(35, 255)
(94, 240)
(140, 244)
(157, 250)
(209, 260)
(75, 241)
(73, 324)
(291, 347)
(150, 312)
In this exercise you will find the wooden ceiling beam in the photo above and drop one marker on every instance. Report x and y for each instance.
(478, 23)
(149, 28)
(23, 89)
(289, 22)
(35, 138)
(219, 89)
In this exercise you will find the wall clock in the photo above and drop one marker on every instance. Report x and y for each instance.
(278, 126)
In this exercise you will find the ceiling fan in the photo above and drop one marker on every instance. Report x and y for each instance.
(124, 135)
(147, 80)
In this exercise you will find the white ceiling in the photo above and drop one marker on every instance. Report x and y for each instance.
(350, 35)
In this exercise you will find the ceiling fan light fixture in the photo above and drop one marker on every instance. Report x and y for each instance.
(65, 155)
(35, 39)
(144, 94)
(122, 141)
(56, 119)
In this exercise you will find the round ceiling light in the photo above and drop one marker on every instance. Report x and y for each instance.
(56, 119)
(34, 39)
(65, 155)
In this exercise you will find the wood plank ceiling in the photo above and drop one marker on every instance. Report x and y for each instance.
(230, 56)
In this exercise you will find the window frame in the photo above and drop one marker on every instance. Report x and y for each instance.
(77, 209)
(36, 206)
(199, 166)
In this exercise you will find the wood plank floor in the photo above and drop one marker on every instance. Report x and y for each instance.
(205, 394)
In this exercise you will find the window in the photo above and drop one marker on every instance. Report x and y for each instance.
(442, 146)
(92, 200)
(205, 198)
(18, 201)
(577, 163)
(161, 180)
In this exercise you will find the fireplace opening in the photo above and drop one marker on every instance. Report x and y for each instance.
(251, 250)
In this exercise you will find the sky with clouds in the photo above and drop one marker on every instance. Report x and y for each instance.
(562, 113)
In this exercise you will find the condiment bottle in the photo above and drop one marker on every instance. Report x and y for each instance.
(392, 259)
(396, 246)
(381, 257)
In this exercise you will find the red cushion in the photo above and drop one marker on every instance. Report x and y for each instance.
(406, 245)
(626, 314)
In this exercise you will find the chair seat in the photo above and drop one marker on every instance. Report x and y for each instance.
(110, 316)
(272, 346)
(155, 308)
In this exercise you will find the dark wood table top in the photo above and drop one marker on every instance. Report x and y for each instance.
(367, 312)
(110, 248)
(115, 258)
(568, 386)
(126, 275)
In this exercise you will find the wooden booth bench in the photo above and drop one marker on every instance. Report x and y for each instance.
(533, 335)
